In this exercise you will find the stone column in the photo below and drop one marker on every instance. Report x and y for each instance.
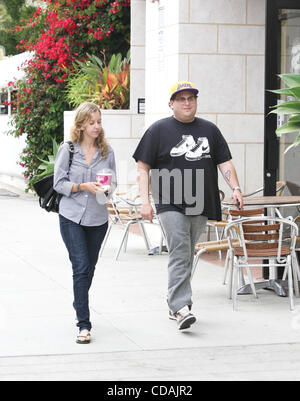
(219, 45)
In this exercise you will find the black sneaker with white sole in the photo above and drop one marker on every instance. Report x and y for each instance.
(185, 322)
(184, 318)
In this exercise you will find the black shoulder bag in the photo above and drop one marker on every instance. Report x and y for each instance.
(48, 198)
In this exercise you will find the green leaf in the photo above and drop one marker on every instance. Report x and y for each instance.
(44, 161)
(294, 144)
(294, 119)
(295, 91)
(287, 108)
(285, 91)
(291, 79)
(54, 147)
(293, 104)
(42, 166)
(288, 127)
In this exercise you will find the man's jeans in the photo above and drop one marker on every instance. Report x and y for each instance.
(83, 244)
(182, 233)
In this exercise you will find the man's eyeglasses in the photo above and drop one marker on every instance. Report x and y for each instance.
(183, 99)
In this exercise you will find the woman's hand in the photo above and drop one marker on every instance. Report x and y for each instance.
(92, 187)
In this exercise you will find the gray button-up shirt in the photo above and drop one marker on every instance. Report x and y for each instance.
(81, 207)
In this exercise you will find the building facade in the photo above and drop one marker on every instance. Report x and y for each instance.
(220, 46)
(232, 50)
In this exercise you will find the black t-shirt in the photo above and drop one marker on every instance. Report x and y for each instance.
(183, 158)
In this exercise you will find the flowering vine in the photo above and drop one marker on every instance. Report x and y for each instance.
(60, 33)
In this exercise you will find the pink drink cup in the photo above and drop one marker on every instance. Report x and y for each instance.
(104, 178)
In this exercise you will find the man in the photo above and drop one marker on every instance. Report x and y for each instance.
(183, 153)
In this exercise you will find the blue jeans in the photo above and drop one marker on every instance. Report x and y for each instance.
(83, 244)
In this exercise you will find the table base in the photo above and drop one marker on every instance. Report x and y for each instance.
(274, 285)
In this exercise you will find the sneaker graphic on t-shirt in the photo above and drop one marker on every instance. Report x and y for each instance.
(200, 151)
(187, 143)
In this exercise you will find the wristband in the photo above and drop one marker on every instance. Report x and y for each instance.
(78, 188)
(234, 188)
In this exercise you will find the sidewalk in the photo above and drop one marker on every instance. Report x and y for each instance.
(133, 339)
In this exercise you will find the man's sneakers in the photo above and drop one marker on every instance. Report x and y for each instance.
(183, 317)
(172, 315)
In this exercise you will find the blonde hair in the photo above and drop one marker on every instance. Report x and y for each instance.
(83, 114)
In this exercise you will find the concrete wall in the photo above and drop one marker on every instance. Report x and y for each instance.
(217, 44)
(124, 128)
(10, 149)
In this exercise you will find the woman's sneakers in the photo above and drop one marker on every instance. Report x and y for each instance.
(183, 317)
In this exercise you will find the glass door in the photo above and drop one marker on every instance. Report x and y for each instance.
(289, 20)
(282, 56)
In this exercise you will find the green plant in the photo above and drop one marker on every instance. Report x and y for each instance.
(291, 107)
(58, 34)
(105, 85)
(47, 165)
(13, 14)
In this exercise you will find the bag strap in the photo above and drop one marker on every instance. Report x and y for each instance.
(71, 146)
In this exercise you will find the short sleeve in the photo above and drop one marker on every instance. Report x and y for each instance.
(221, 152)
(147, 148)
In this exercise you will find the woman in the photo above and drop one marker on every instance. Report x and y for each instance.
(83, 220)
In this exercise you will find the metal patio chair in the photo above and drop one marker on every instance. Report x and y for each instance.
(280, 186)
(223, 245)
(266, 243)
(217, 225)
(124, 213)
(234, 215)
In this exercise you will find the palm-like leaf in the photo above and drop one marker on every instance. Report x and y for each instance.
(105, 85)
(291, 108)
(48, 165)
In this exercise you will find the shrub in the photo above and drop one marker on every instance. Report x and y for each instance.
(61, 34)
(106, 85)
(290, 107)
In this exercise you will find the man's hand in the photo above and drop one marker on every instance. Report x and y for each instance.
(143, 180)
(238, 199)
(147, 212)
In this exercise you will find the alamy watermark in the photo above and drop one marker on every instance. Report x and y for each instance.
(181, 187)
(176, 186)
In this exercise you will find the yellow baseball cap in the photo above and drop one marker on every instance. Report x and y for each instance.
(182, 86)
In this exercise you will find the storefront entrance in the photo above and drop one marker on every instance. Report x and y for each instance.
(282, 57)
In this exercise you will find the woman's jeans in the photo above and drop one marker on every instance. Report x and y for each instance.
(83, 244)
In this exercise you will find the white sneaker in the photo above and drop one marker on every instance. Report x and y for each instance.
(184, 318)
(200, 150)
(183, 146)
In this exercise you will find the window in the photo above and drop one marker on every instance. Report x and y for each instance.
(3, 102)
